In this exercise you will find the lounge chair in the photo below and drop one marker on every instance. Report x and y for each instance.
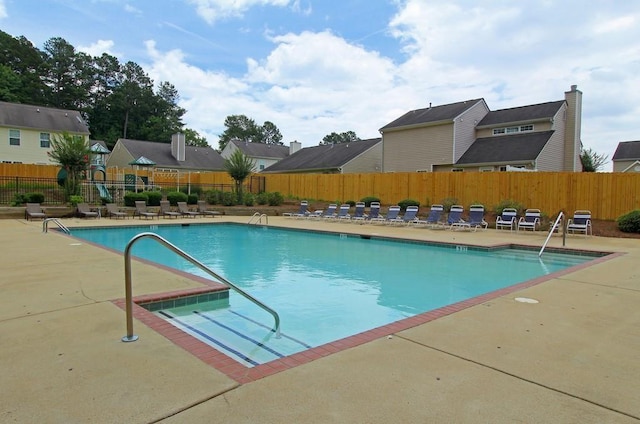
(34, 210)
(410, 215)
(165, 210)
(112, 210)
(85, 211)
(580, 223)
(358, 214)
(202, 209)
(302, 211)
(434, 219)
(476, 218)
(393, 215)
(530, 220)
(454, 218)
(184, 210)
(343, 212)
(330, 213)
(374, 213)
(141, 210)
(507, 219)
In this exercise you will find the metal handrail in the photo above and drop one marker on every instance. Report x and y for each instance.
(553, 227)
(45, 225)
(130, 337)
(259, 220)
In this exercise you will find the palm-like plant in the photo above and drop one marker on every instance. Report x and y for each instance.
(239, 166)
(72, 154)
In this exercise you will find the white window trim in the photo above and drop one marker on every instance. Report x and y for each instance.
(514, 129)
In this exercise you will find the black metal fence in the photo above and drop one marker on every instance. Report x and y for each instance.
(12, 188)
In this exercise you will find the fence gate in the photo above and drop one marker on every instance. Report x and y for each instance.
(257, 184)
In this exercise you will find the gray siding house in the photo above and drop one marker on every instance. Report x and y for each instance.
(467, 136)
(627, 157)
(264, 155)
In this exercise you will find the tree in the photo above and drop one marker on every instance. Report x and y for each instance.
(335, 138)
(192, 138)
(246, 130)
(69, 75)
(27, 64)
(71, 152)
(239, 166)
(592, 161)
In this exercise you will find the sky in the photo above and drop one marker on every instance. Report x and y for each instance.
(313, 67)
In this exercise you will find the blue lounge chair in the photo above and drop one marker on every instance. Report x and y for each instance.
(358, 214)
(434, 219)
(580, 223)
(393, 215)
(507, 219)
(302, 211)
(374, 215)
(410, 215)
(476, 218)
(330, 213)
(454, 218)
(343, 212)
(530, 220)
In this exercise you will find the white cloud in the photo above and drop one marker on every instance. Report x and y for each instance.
(132, 9)
(99, 47)
(3, 10)
(213, 10)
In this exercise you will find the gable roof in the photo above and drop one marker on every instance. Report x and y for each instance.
(528, 113)
(41, 118)
(520, 147)
(432, 114)
(326, 156)
(627, 150)
(261, 150)
(160, 153)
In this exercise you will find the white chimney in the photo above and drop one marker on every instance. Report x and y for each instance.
(178, 146)
(294, 146)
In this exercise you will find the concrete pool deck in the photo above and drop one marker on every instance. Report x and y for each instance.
(572, 357)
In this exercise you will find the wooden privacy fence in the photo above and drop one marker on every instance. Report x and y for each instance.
(606, 195)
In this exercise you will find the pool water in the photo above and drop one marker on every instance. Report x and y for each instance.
(324, 286)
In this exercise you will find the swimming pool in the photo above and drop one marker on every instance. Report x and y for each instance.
(324, 286)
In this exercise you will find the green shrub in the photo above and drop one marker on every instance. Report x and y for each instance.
(229, 198)
(130, 198)
(351, 203)
(192, 199)
(74, 200)
(34, 197)
(154, 198)
(176, 196)
(448, 202)
(367, 200)
(508, 203)
(275, 199)
(213, 197)
(18, 199)
(630, 222)
(262, 198)
(407, 202)
(249, 199)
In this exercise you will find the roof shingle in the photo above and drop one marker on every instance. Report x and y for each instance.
(432, 114)
(204, 158)
(506, 148)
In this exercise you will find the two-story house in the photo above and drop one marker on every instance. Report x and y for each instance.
(467, 136)
(26, 131)
(263, 155)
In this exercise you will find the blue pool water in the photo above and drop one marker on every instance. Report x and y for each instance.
(324, 286)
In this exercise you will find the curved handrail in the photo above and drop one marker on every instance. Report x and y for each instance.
(130, 337)
(45, 225)
(553, 227)
(259, 220)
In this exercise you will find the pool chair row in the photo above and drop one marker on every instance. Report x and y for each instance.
(165, 211)
(531, 220)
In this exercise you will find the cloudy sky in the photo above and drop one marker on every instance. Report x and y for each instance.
(313, 67)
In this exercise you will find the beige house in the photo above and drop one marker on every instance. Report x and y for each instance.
(344, 158)
(264, 155)
(627, 157)
(467, 136)
(26, 131)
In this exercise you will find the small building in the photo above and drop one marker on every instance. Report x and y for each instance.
(174, 156)
(361, 156)
(264, 155)
(627, 157)
(467, 136)
(26, 131)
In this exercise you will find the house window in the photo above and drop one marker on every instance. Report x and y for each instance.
(498, 131)
(511, 130)
(14, 137)
(526, 128)
(261, 167)
(486, 169)
(457, 170)
(45, 140)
